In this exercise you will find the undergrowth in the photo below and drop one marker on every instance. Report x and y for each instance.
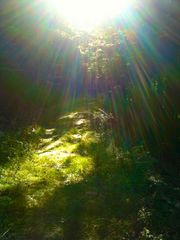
(72, 181)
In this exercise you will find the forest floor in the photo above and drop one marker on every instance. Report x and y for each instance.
(70, 181)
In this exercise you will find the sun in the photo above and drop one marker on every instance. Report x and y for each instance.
(87, 14)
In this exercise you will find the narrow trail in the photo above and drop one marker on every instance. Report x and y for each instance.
(74, 184)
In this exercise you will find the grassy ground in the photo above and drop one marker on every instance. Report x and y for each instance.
(70, 181)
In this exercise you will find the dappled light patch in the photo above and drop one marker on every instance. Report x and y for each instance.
(57, 154)
(77, 182)
(81, 122)
(55, 163)
(45, 141)
(75, 168)
(51, 145)
(69, 116)
(49, 131)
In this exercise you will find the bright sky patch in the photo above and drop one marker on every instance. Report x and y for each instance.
(87, 14)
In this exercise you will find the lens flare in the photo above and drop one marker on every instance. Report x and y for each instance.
(87, 14)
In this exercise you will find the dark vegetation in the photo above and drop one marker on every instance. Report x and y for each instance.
(89, 126)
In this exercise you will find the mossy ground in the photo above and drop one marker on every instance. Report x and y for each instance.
(69, 181)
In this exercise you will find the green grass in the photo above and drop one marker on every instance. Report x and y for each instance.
(70, 181)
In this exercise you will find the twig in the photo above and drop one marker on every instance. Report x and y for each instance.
(4, 233)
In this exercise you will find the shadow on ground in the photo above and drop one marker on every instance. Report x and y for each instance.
(75, 184)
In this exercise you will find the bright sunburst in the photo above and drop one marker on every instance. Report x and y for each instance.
(86, 14)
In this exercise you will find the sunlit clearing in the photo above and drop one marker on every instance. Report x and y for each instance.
(87, 14)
